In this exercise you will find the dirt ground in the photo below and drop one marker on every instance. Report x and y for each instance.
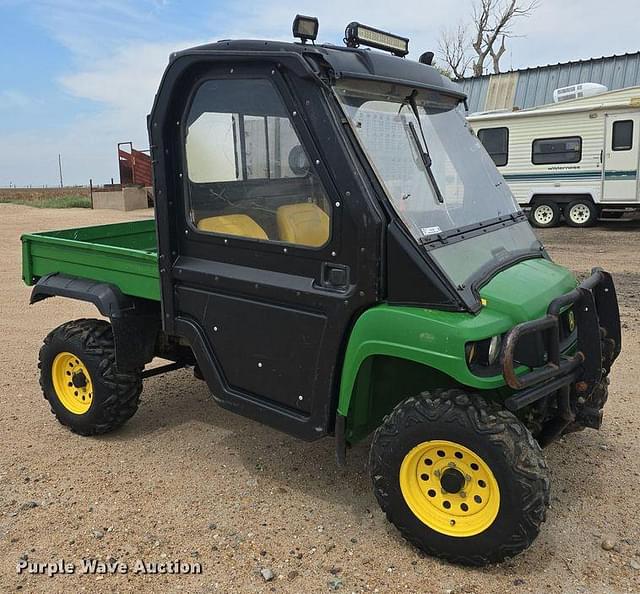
(35, 194)
(187, 480)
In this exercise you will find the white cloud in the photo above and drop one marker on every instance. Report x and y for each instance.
(91, 29)
(124, 85)
(117, 61)
(575, 30)
(125, 81)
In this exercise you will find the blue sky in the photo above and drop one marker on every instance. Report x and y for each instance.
(78, 76)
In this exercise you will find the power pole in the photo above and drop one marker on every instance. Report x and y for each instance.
(60, 169)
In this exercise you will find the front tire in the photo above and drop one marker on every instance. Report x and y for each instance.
(460, 478)
(79, 379)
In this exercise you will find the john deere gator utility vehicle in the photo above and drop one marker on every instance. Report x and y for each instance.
(335, 254)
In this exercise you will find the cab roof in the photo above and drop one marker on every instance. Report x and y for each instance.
(346, 62)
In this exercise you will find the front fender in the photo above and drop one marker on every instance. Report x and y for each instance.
(430, 337)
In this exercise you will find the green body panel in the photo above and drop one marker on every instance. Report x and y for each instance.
(123, 254)
(393, 351)
(436, 339)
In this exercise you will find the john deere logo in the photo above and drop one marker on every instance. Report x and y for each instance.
(571, 318)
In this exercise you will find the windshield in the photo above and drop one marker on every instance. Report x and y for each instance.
(435, 171)
(472, 188)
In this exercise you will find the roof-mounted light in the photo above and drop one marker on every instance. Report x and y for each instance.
(356, 35)
(305, 28)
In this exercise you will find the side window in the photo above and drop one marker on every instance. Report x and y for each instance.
(548, 151)
(622, 135)
(496, 141)
(248, 173)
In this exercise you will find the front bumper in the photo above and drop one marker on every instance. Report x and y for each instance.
(597, 317)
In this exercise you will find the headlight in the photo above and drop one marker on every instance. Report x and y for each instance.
(484, 352)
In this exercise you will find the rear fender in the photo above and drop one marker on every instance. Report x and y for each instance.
(136, 322)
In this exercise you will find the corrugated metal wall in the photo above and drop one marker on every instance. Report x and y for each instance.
(535, 86)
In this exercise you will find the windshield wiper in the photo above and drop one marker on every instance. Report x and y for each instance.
(426, 161)
(423, 152)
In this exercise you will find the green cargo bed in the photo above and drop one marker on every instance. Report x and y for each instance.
(124, 254)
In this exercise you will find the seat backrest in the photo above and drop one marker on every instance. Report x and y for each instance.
(235, 224)
(304, 224)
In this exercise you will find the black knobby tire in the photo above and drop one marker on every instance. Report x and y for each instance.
(496, 435)
(116, 394)
(544, 214)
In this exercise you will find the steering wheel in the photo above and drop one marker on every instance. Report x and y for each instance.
(298, 161)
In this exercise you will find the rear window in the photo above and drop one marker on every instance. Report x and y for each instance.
(622, 135)
(496, 141)
(547, 151)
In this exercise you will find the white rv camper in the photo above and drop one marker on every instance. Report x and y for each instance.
(578, 158)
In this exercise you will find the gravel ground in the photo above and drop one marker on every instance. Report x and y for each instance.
(187, 480)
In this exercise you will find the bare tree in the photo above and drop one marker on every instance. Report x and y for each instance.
(454, 49)
(492, 24)
(493, 20)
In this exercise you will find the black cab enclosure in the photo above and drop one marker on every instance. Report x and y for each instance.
(245, 298)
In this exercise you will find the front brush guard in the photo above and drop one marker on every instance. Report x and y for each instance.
(595, 307)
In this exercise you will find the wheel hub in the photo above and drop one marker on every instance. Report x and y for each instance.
(79, 379)
(452, 480)
(580, 213)
(72, 383)
(449, 488)
(543, 214)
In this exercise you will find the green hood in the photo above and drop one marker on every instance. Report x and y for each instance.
(523, 291)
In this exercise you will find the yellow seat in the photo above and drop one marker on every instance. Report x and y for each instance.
(236, 224)
(303, 224)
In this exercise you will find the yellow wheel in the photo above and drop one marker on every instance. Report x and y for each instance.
(80, 379)
(72, 383)
(449, 488)
(459, 477)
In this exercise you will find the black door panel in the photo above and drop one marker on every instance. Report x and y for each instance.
(263, 349)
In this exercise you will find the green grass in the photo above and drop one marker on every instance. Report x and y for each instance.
(52, 202)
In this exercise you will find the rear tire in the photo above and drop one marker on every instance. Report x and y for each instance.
(544, 214)
(581, 213)
(79, 379)
(460, 478)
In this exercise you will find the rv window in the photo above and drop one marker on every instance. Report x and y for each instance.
(622, 135)
(547, 151)
(496, 141)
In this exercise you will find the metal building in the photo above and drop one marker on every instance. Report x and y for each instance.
(531, 87)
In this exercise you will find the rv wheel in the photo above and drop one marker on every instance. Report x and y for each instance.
(581, 213)
(544, 214)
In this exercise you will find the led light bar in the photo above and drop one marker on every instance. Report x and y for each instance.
(305, 28)
(356, 35)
